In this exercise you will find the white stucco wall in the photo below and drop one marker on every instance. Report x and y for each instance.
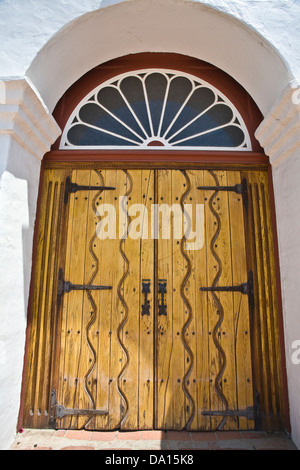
(53, 42)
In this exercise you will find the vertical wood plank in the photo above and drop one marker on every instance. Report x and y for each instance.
(164, 323)
(182, 312)
(265, 330)
(117, 266)
(75, 361)
(41, 319)
(146, 340)
(278, 398)
(101, 331)
(194, 253)
(241, 326)
(225, 332)
(213, 269)
(202, 362)
(97, 330)
(43, 307)
(131, 331)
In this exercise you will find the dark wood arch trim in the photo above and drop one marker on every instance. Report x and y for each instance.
(203, 70)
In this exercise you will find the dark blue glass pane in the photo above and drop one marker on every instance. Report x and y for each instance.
(156, 85)
(218, 115)
(112, 100)
(230, 136)
(132, 88)
(93, 114)
(200, 100)
(85, 136)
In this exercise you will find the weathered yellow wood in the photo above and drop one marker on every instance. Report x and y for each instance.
(132, 286)
(212, 270)
(41, 325)
(273, 320)
(225, 334)
(98, 303)
(101, 327)
(36, 407)
(114, 263)
(266, 352)
(240, 332)
(206, 354)
(201, 373)
(75, 360)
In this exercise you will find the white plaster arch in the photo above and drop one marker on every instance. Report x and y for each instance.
(189, 28)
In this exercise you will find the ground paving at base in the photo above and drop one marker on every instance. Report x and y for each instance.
(31, 439)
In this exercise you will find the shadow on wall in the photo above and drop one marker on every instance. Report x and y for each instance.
(14, 227)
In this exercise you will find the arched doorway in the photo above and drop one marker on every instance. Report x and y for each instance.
(134, 328)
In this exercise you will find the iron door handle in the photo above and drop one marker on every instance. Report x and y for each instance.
(162, 290)
(146, 291)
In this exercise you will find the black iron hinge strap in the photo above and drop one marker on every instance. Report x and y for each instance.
(242, 288)
(246, 288)
(74, 187)
(66, 286)
(248, 413)
(237, 188)
(59, 411)
(241, 188)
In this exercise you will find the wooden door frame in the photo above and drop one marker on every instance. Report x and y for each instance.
(68, 159)
(162, 159)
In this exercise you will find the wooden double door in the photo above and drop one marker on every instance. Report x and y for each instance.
(154, 301)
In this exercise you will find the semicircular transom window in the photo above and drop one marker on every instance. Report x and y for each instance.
(155, 108)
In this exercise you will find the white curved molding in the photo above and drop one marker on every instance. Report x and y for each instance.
(179, 26)
(279, 133)
(25, 118)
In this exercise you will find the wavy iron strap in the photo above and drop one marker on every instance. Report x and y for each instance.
(124, 410)
(222, 355)
(187, 303)
(94, 312)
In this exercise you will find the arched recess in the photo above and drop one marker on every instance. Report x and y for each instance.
(44, 381)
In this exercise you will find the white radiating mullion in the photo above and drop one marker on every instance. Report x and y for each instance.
(164, 106)
(179, 112)
(148, 108)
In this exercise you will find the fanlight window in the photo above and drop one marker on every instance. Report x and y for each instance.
(155, 108)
